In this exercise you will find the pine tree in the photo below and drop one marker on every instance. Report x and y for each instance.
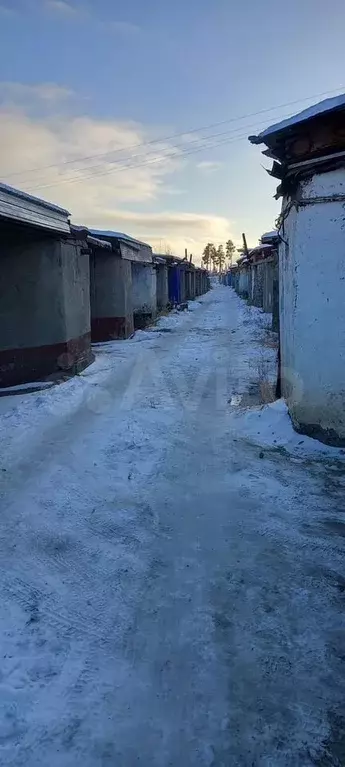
(220, 257)
(206, 256)
(213, 251)
(230, 251)
(209, 255)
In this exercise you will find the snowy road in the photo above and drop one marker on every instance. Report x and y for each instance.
(171, 564)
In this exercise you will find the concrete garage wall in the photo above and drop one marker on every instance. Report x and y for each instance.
(75, 289)
(275, 296)
(267, 288)
(243, 282)
(185, 284)
(190, 294)
(193, 284)
(162, 287)
(312, 317)
(44, 306)
(198, 283)
(144, 293)
(111, 296)
(258, 271)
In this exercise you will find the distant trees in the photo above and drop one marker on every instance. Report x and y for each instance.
(209, 256)
(216, 258)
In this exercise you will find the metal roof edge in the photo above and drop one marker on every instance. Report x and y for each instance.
(38, 200)
(118, 236)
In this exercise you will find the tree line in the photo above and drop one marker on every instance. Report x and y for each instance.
(217, 258)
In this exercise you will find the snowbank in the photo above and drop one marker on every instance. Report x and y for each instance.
(271, 426)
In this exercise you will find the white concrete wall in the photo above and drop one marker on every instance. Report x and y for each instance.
(312, 309)
(144, 289)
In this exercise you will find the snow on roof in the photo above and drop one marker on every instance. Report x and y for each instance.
(117, 236)
(31, 198)
(260, 247)
(270, 235)
(327, 105)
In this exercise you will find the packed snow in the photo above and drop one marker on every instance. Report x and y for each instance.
(171, 559)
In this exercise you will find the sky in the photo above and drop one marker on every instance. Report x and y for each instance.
(134, 114)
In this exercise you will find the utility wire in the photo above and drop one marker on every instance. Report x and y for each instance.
(175, 135)
(140, 165)
(169, 152)
(174, 152)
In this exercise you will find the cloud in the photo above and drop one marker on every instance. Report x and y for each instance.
(7, 12)
(207, 166)
(82, 163)
(123, 28)
(60, 6)
(20, 92)
(179, 230)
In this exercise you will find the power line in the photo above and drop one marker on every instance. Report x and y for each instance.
(177, 153)
(140, 165)
(175, 135)
(168, 153)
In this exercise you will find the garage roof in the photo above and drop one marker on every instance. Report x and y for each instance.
(23, 208)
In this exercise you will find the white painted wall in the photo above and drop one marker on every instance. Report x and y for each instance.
(312, 308)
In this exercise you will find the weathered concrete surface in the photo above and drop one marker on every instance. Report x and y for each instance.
(162, 287)
(258, 272)
(111, 296)
(244, 278)
(275, 297)
(172, 596)
(44, 306)
(267, 288)
(144, 294)
(190, 292)
(193, 283)
(312, 317)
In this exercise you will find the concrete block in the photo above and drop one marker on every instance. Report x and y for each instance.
(193, 284)
(258, 283)
(190, 294)
(275, 297)
(44, 306)
(267, 298)
(111, 296)
(144, 294)
(162, 287)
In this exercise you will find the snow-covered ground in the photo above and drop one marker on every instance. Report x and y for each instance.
(171, 560)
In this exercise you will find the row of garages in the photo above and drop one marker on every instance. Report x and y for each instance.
(308, 153)
(64, 287)
(256, 276)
